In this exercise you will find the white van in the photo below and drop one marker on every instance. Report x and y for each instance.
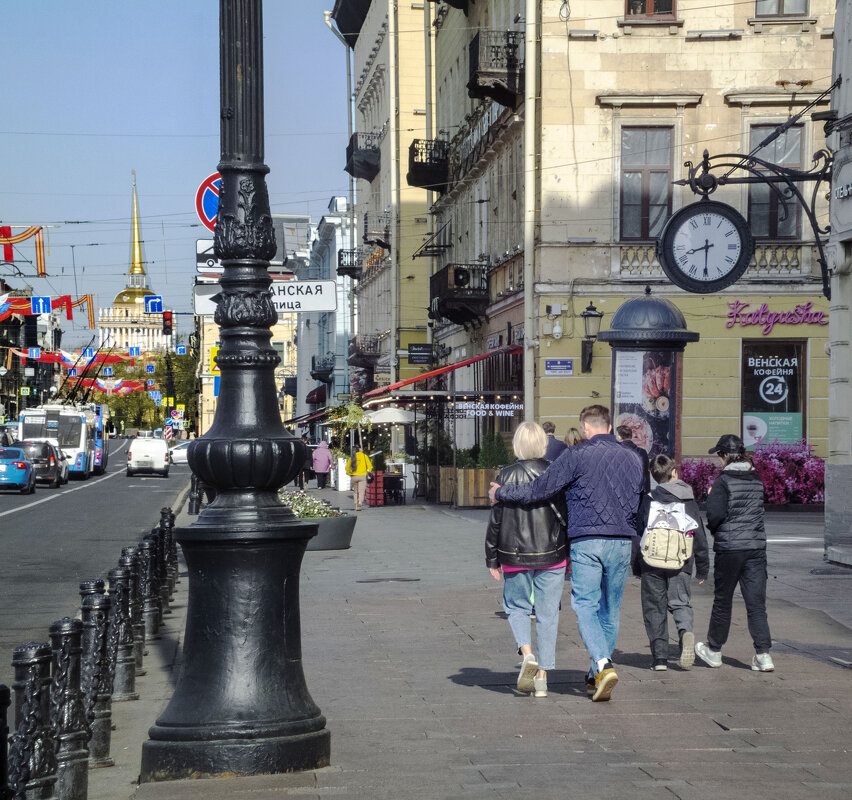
(148, 455)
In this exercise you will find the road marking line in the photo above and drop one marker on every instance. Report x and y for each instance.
(85, 485)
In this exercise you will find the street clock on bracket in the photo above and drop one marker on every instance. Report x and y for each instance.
(705, 247)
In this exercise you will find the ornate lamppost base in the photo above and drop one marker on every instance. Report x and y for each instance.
(241, 705)
(171, 760)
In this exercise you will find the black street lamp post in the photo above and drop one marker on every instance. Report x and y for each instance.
(241, 705)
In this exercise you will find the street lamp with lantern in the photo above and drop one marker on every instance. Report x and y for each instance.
(591, 327)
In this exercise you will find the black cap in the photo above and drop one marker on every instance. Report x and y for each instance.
(729, 443)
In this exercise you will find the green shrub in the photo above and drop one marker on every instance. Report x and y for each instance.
(493, 452)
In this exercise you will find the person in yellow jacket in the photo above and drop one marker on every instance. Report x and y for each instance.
(357, 467)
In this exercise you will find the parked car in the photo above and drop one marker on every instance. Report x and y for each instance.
(179, 452)
(148, 455)
(15, 471)
(46, 459)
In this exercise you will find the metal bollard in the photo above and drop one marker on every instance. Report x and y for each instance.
(160, 537)
(196, 490)
(5, 700)
(169, 548)
(32, 752)
(130, 561)
(150, 590)
(95, 678)
(67, 715)
(121, 630)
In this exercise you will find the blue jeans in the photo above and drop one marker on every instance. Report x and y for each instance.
(598, 571)
(517, 587)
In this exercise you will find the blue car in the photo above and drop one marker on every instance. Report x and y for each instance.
(15, 471)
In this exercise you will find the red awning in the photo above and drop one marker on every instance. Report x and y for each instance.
(515, 348)
(311, 417)
(316, 396)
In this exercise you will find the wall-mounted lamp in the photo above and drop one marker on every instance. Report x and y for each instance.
(591, 327)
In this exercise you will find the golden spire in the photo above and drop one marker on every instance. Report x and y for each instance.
(136, 267)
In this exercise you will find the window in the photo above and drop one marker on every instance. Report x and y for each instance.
(646, 179)
(769, 219)
(650, 8)
(781, 8)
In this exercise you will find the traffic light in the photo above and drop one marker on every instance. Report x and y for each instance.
(167, 323)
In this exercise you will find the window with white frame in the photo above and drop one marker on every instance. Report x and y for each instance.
(768, 216)
(646, 181)
(780, 8)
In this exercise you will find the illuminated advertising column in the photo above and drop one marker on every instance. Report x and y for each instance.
(648, 336)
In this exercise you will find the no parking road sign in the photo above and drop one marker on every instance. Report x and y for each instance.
(207, 200)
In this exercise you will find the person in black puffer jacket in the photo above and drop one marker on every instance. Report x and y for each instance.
(736, 520)
(526, 547)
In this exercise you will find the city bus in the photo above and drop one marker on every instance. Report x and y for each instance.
(102, 426)
(72, 426)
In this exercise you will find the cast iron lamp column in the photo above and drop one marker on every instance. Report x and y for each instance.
(241, 705)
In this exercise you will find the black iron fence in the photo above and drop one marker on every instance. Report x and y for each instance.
(61, 720)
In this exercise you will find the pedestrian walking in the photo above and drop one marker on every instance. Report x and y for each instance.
(357, 467)
(554, 446)
(624, 433)
(602, 483)
(668, 590)
(322, 461)
(573, 437)
(736, 519)
(526, 547)
(307, 467)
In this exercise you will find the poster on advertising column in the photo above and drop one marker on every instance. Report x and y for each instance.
(644, 385)
(773, 392)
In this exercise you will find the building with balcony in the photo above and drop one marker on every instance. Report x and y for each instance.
(386, 40)
(627, 92)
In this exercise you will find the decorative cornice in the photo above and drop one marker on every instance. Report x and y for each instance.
(772, 97)
(668, 99)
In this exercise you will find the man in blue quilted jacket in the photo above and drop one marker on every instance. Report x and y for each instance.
(602, 481)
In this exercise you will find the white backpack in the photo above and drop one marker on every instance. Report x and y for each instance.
(667, 541)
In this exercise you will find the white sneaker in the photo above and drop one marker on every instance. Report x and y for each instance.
(762, 662)
(540, 685)
(712, 658)
(529, 667)
(687, 650)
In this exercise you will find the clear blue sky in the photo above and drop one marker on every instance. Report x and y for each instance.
(94, 90)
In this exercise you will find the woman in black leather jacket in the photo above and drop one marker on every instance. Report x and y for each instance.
(526, 546)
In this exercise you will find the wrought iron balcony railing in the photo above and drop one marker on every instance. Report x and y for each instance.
(429, 164)
(322, 367)
(364, 351)
(377, 229)
(350, 262)
(497, 66)
(459, 293)
(363, 156)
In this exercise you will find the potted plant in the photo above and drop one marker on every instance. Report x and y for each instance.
(335, 527)
(472, 484)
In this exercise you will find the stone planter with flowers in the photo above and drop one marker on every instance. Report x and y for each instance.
(335, 527)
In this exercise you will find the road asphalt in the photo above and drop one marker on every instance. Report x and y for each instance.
(407, 652)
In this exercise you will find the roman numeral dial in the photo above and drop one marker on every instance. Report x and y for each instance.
(705, 247)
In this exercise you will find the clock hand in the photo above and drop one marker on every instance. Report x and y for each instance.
(706, 248)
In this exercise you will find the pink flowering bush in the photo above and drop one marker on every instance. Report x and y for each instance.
(791, 473)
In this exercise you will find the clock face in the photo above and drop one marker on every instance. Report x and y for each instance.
(705, 247)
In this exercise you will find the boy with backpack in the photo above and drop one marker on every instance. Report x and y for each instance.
(674, 541)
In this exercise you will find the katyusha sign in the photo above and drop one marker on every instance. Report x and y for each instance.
(744, 315)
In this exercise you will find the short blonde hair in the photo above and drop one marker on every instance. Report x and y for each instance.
(529, 441)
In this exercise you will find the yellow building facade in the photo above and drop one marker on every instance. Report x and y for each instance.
(387, 44)
(626, 93)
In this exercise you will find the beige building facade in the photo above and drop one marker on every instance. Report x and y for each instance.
(627, 91)
(389, 108)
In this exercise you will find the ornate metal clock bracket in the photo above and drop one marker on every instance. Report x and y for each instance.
(783, 182)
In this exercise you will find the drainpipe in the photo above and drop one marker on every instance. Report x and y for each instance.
(430, 198)
(393, 132)
(530, 75)
(350, 125)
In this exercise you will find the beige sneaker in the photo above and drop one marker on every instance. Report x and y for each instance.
(529, 667)
(540, 685)
(605, 682)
